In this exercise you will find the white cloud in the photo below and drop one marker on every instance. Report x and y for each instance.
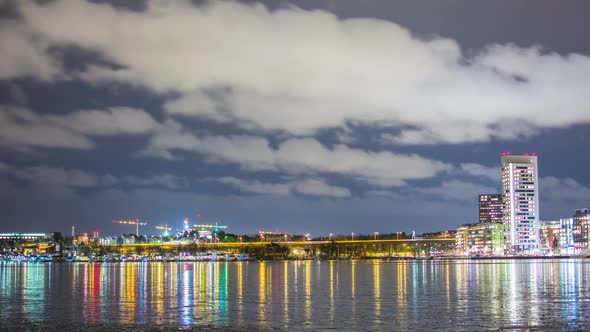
(60, 176)
(297, 156)
(196, 104)
(77, 178)
(22, 128)
(319, 187)
(254, 186)
(166, 180)
(24, 54)
(491, 173)
(312, 187)
(301, 71)
(566, 191)
(112, 121)
(169, 136)
(458, 190)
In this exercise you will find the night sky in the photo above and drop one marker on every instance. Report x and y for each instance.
(304, 116)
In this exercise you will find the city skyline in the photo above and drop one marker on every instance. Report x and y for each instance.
(299, 116)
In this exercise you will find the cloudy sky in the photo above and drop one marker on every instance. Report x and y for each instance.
(305, 116)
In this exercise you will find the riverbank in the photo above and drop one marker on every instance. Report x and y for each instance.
(245, 258)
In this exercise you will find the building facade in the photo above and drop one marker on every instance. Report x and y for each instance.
(490, 208)
(550, 235)
(462, 240)
(566, 236)
(520, 203)
(581, 226)
(480, 239)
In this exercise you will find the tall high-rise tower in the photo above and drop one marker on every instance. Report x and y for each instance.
(520, 202)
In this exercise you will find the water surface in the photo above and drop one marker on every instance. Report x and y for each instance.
(306, 295)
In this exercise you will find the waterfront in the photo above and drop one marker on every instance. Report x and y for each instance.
(310, 295)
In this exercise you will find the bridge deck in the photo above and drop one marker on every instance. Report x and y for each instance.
(291, 243)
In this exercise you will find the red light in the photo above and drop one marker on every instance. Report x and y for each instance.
(526, 154)
(534, 153)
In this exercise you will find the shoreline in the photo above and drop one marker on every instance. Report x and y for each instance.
(381, 259)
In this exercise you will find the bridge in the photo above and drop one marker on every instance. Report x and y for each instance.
(343, 247)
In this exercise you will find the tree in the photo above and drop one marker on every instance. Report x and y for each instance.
(330, 250)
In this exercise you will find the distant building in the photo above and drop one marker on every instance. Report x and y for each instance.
(442, 234)
(273, 236)
(81, 239)
(27, 243)
(566, 236)
(581, 225)
(462, 239)
(520, 200)
(480, 239)
(550, 235)
(490, 208)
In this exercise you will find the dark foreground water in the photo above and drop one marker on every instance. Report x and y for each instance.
(552, 295)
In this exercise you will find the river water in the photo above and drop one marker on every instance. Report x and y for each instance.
(550, 295)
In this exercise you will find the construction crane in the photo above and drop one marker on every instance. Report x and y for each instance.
(132, 222)
(165, 228)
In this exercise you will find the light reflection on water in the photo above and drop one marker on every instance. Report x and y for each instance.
(368, 295)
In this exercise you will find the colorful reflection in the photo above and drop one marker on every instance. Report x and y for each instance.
(308, 290)
(33, 291)
(332, 309)
(262, 294)
(240, 293)
(286, 265)
(366, 295)
(377, 287)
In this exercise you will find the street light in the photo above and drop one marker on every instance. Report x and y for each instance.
(352, 237)
(330, 236)
(375, 235)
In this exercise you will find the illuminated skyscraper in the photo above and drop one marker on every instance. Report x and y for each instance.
(520, 200)
(581, 230)
(490, 208)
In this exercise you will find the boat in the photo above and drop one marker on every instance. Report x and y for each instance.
(397, 258)
(45, 258)
(243, 257)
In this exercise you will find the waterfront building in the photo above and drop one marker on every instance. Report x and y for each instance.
(81, 239)
(441, 234)
(462, 239)
(490, 208)
(520, 203)
(581, 225)
(549, 235)
(480, 239)
(566, 236)
(27, 243)
(276, 236)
